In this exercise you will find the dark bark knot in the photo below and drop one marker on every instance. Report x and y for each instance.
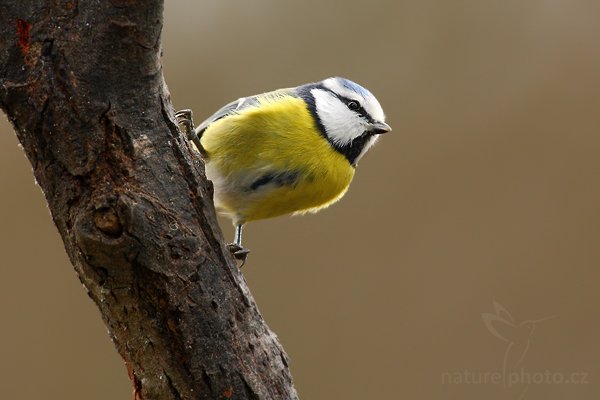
(107, 221)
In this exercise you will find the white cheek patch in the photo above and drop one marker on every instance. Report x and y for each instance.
(341, 124)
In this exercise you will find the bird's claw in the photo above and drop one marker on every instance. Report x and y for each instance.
(184, 117)
(240, 253)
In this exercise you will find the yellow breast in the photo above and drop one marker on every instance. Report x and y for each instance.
(272, 160)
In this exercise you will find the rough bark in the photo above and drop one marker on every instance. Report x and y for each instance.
(82, 83)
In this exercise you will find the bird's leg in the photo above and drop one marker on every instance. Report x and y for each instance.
(239, 252)
(238, 235)
(184, 117)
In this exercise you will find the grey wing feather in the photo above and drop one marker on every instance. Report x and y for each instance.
(226, 110)
(241, 104)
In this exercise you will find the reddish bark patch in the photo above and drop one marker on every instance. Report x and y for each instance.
(137, 385)
(70, 5)
(228, 393)
(23, 33)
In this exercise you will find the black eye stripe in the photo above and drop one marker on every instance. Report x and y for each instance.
(359, 110)
(305, 93)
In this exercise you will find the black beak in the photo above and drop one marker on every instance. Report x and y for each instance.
(378, 128)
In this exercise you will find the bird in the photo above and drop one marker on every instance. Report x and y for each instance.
(289, 151)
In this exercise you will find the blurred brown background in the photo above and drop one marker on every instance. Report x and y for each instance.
(486, 191)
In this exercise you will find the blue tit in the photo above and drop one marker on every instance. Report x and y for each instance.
(290, 151)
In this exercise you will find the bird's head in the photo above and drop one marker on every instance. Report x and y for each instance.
(349, 116)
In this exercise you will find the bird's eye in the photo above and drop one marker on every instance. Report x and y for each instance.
(353, 105)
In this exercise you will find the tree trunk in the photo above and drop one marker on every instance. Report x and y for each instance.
(82, 83)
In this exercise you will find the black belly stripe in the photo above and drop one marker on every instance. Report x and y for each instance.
(285, 178)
